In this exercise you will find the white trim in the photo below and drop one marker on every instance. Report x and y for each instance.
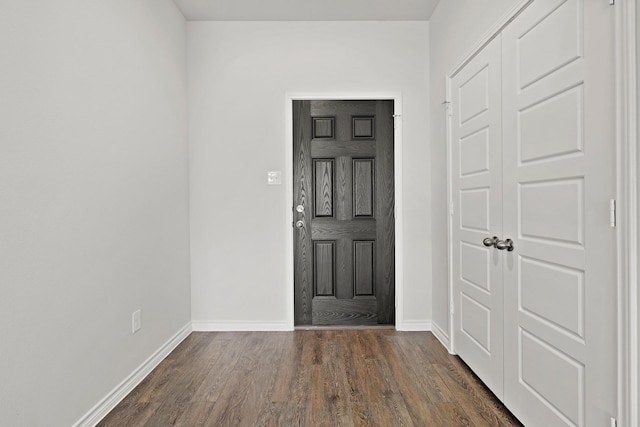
(627, 196)
(450, 300)
(399, 214)
(415, 326)
(236, 326)
(442, 336)
(514, 11)
(111, 400)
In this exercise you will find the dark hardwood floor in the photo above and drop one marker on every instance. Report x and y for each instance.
(370, 377)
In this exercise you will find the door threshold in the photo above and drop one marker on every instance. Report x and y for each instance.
(340, 327)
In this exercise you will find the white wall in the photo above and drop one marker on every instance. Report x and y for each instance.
(239, 75)
(455, 28)
(93, 199)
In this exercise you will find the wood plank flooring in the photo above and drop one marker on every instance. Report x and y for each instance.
(364, 377)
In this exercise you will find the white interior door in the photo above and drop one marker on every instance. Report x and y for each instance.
(476, 172)
(559, 165)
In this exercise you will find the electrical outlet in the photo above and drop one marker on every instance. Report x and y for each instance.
(136, 321)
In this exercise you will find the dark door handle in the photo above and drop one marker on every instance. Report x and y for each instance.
(490, 241)
(505, 244)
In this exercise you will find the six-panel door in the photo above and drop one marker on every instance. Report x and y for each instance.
(344, 239)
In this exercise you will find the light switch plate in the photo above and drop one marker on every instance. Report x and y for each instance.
(274, 178)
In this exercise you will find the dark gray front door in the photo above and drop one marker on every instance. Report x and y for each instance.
(344, 212)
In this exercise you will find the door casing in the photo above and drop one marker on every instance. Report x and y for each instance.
(627, 26)
(288, 183)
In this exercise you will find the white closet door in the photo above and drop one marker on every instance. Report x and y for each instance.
(559, 164)
(476, 172)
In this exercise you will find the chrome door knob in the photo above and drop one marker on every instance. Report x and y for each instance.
(490, 241)
(299, 224)
(505, 244)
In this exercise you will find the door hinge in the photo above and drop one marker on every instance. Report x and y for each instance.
(452, 308)
(451, 209)
(448, 108)
(614, 422)
(612, 2)
(395, 116)
(612, 212)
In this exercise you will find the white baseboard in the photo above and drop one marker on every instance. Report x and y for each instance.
(98, 412)
(442, 336)
(414, 325)
(234, 326)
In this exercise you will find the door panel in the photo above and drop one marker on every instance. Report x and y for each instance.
(323, 188)
(474, 153)
(551, 128)
(552, 39)
(475, 321)
(474, 209)
(364, 267)
(343, 166)
(541, 279)
(477, 191)
(475, 266)
(324, 254)
(558, 179)
(363, 179)
(562, 393)
(551, 209)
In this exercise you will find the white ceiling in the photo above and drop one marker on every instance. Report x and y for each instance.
(306, 10)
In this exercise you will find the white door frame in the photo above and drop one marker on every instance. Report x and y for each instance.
(627, 25)
(396, 97)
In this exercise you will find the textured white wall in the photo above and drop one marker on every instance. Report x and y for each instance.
(239, 75)
(454, 29)
(93, 199)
